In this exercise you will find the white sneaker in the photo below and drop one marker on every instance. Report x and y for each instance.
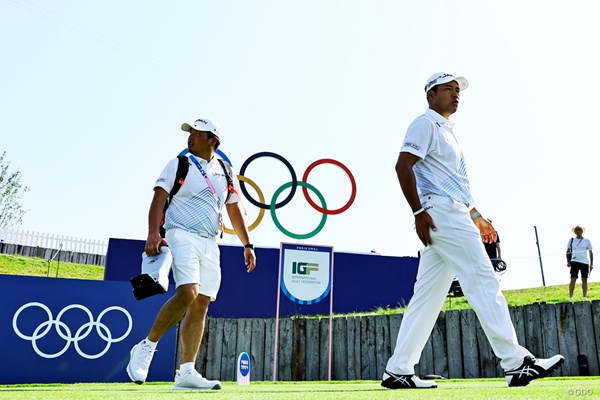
(533, 368)
(192, 380)
(140, 358)
(391, 380)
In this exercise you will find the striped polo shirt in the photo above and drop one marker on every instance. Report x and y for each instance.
(441, 169)
(194, 208)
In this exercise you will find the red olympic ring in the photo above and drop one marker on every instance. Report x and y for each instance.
(294, 183)
(350, 176)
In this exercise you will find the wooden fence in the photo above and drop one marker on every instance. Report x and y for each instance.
(457, 347)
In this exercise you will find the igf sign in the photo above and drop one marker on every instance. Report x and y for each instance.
(305, 272)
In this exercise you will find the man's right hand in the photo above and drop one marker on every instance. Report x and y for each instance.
(423, 223)
(153, 243)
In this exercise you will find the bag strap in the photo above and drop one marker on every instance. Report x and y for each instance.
(228, 174)
(183, 166)
(571, 245)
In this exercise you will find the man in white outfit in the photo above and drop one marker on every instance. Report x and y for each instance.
(432, 173)
(577, 260)
(192, 224)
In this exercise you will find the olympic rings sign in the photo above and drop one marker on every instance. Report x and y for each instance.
(65, 333)
(293, 184)
(273, 205)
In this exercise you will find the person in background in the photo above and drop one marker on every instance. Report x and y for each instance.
(577, 260)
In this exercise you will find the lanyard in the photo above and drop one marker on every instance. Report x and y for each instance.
(208, 182)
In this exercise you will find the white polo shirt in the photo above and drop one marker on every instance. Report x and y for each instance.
(580, 248)
(194, 208)
(441, 169)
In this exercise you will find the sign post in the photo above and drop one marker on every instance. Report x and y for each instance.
(305, 277)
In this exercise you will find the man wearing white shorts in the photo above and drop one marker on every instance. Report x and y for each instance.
(192, 224)
(432, 173)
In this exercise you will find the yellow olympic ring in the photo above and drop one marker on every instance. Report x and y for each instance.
(261, 213)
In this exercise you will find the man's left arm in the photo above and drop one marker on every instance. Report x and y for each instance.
(239, 225)
(591, 260)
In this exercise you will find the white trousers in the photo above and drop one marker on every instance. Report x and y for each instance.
(456, 250)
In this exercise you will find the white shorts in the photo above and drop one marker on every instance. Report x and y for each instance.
(196, 259)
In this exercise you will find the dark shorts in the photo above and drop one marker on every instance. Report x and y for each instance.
(576, 267)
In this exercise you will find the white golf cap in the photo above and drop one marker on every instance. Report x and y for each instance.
(442, 77)
(205, 125)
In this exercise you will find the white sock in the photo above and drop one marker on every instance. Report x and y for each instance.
(150, 343)
(186, 367)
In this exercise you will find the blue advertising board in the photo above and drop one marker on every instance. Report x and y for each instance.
(67, 330)
(382, 281)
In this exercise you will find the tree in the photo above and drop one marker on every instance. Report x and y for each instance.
(11, 193)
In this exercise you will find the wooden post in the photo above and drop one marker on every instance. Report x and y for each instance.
(382, 343)
(354, 366)
(567, 338)
(469, 344)
(257, 349)
(440, 354)
(269, 346)
(454, 340)
(367, 342)
(340, 349)
(299, 350)
(586, 339)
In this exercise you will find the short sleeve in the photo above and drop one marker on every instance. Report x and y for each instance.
(235, 196)
(167, 176)
(418, 138)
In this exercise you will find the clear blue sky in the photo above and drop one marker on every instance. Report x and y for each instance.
(94, 93)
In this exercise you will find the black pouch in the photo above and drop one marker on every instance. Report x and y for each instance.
(145, 285)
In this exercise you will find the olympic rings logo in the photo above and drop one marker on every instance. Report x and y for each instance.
(273, 205)
(65, 333)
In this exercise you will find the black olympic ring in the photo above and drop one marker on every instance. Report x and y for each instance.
(289, 167)
(294, 183)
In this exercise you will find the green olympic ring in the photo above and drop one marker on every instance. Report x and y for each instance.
(278, 224)
(273, 205)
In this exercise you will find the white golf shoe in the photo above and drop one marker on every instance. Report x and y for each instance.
(396, 381)
(140, 358)
(533, 368)
(192, 380)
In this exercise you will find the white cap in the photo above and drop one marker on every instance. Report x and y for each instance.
(205, 125)
(442, 77)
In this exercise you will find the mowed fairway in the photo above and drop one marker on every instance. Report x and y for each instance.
(496, 389)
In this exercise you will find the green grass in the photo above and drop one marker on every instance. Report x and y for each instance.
(33, 266)
(544, 294)
(483, 389)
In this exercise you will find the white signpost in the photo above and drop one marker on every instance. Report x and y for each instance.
(305, 277)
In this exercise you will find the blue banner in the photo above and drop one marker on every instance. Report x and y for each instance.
(390, 282)
(66, 331)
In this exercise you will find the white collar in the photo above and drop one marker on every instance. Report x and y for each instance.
(439, 119)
